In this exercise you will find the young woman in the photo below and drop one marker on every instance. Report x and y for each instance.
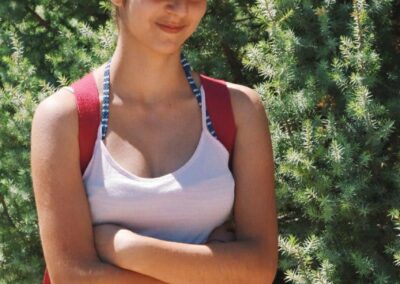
(150, 205)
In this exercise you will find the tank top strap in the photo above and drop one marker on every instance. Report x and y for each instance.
(197, 92)
(105, 109)
(203, 110)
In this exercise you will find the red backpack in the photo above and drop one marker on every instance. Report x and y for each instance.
(218, 104)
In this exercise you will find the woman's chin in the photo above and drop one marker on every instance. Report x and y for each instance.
(168, 49)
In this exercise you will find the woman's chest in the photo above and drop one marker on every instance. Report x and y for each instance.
(151, 144)
(182, 206)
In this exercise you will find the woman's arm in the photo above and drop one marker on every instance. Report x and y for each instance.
(231, 262)
(64, 218)
(252, 258)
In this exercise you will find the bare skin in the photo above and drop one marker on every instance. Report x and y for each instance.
(163, 127)
(139, 109)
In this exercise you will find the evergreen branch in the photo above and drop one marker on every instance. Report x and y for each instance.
(243, 19)
(358, 9)
(289, 130)
(42, 22)
(62, 21)
(235, 64)
(6, 212)
(13, 27)
(357, 12)
(268, 9)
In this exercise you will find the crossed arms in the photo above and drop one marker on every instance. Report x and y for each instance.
(65, 222)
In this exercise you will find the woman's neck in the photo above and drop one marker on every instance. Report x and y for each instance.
(146, 76)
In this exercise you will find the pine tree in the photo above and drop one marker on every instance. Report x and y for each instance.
(394, 248)
(328, 72)
(20, 252)
(336, 176)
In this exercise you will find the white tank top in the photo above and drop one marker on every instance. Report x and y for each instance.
(182, 206)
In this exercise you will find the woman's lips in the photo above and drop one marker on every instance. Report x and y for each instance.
(170, 29)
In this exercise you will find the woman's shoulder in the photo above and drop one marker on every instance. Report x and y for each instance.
(246, 104)
(61, 108)
(241, 94)
(244, 100)
(57, 113)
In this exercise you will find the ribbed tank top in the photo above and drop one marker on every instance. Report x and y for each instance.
(182, 206)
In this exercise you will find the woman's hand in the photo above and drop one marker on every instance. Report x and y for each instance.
(224, 233)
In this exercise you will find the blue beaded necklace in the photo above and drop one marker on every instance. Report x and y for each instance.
(106, 96)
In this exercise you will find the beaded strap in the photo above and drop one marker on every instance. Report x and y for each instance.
(197, 92)
(105, 111)
(106, 97)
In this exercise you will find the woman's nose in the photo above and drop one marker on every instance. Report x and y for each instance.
(178, 7)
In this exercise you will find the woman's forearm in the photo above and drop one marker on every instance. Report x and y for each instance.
(109, 274)
(104, 273)
(172, 262)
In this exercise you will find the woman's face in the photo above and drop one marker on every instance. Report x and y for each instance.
(162, 25)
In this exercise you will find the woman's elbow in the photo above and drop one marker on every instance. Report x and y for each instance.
(269, 267)
(76, 273)
(268, 272)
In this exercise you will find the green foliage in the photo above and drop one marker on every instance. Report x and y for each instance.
(394, 248)
(328, 73)
(20, 251)
(337, 175)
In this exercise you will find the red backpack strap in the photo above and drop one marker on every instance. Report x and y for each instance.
(88, 106)
(46, 277)
(219, 106)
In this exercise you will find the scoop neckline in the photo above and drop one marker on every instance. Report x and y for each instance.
(170, 175)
